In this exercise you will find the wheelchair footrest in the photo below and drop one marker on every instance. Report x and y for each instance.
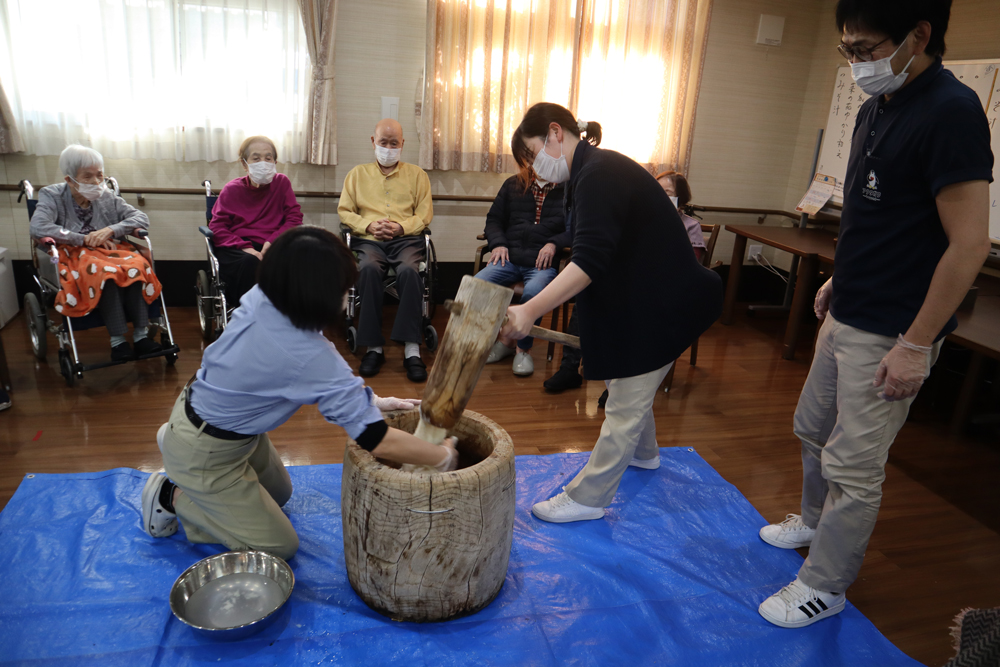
(173, 349)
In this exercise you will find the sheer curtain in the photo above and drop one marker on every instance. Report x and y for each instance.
(632, 65)
(164, 79)
(320, 18)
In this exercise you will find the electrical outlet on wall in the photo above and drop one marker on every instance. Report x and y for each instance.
(754, 250)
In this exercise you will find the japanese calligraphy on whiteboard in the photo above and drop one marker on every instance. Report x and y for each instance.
(980, 75)
(993, 116)
(847, 99)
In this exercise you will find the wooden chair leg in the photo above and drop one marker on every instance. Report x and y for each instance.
(694, 353)
(553, 324)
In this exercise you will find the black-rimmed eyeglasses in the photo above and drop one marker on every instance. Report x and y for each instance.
(862, 53)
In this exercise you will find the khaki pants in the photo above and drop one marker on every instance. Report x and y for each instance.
(628, 430)
(233, 490)
(846, 431)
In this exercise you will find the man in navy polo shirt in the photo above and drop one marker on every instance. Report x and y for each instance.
(913, 237)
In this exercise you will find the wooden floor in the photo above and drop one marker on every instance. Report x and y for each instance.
(935, 550)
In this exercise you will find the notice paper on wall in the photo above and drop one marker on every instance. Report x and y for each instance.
(817, 195)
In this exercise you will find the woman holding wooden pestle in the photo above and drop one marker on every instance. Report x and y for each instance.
(642, 296)
(226, 482)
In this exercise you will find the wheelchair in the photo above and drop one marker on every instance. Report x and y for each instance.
(45, 259)
(427, 270)
(210, 290)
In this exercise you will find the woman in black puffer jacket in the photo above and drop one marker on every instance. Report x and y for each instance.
(525, 229)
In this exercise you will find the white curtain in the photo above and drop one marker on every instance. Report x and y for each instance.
(320, 19)
(164, 79)
(634, 66)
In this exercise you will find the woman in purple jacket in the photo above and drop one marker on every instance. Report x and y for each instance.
(250, 214)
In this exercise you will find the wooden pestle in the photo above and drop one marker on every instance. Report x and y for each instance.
(461, 356)
(536, 332)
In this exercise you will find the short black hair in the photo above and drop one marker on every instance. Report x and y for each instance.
(305, 274)
(896, 18)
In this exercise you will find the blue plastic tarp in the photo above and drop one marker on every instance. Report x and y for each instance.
(672, 576)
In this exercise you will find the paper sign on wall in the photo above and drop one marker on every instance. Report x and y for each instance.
(818, 195)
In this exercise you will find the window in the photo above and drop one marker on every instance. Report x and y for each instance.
(164, 79)
(632, 65)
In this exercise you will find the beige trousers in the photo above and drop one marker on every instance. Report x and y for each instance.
(628, 430)
(233, 490)
(846, 431)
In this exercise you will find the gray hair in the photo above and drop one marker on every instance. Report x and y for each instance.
(75, 157)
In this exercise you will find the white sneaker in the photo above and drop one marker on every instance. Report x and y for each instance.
(560, 508)
(796, 605)
(789, 534)
(523, 365)
(499, 351)
(646, 464)
(156, 520)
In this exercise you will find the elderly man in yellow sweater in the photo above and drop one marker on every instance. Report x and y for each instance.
(387, 205)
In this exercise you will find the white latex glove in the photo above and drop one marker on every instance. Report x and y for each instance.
(391, 403)
(450, 460)
(903, 370)
(822, 303)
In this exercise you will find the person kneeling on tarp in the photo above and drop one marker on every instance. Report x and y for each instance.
(224, 479)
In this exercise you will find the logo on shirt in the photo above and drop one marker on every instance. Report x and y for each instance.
(871, 191)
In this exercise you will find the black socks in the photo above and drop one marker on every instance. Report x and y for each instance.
(167, 495)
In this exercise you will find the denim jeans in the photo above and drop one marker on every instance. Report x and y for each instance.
(534, 279)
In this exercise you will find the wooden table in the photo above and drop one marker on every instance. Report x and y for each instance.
(811, 245)
(979, 330)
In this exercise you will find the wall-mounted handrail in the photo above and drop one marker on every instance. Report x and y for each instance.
(486, 199)
(762, 213)
(305, 194)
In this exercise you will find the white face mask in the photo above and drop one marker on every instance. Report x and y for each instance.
(551, 169)
(876, 77)
(262, 172)
(90, 191)
(387, 156)
(674, 200)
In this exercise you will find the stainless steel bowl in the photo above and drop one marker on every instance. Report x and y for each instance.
(232, 595)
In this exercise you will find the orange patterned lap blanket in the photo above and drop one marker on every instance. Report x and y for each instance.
(82, 272)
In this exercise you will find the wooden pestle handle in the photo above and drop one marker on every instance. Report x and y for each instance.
(537, 332)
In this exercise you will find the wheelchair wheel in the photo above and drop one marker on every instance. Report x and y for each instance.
(206, 314)
(66, 368)
(37, 325)
(430, 337)
(352, 339)
(165, 342)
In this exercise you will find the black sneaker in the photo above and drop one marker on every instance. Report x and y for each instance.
(371, 363)
(603, 400)
(122, 352)
(564, 378)
(145, 346)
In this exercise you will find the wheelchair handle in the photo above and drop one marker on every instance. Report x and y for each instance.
(27, 190)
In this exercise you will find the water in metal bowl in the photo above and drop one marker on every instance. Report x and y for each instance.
(232, 595)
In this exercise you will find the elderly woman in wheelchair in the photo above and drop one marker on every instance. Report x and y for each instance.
(86, 221)
(250, 213)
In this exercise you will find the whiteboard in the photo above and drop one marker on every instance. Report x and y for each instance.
(980, 75)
